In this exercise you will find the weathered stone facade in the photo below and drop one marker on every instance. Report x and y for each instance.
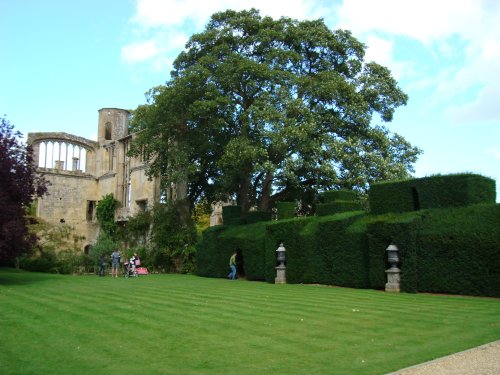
(81, 172)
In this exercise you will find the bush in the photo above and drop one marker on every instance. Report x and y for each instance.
(45, 262)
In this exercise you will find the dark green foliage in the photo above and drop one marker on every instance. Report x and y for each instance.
(46, 262)
(342, 243)
(459, 251)
(337, 207)
(173, 241)
(334, 195)
(258, 216)
(449, 250)
(337, 201)
(231, 215)
(297, 245)
(105, 214)
(218, 243)
(138, 227)
(431, 192)
(286, 210)
(399, 230)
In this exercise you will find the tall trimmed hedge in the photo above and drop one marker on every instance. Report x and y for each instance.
(431, 192)
(459, 251)
(400, 230)
(286, 210)
(231, 215)
(297, 243)
(214, 251)
(337, 201)
(342, 248)
(446, 250)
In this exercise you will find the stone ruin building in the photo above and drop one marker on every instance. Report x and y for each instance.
(82, 171)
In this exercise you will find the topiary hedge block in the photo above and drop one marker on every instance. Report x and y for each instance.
(286, 210)
(258, 216)
(337, 207)
(431, 192)
(459, 251)
(333, 195)
(231, 215)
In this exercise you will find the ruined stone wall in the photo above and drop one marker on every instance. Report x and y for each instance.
(74, 193)
(68, 202)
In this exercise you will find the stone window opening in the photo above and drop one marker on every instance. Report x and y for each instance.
(91, 206)
(107, 131)
(142, 205)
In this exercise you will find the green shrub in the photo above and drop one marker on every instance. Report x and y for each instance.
(45, 262)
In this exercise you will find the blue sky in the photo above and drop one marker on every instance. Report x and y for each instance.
(61, 61)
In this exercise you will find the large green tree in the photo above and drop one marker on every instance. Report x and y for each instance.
(261, 110)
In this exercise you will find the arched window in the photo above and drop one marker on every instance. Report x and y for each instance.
(107, 131)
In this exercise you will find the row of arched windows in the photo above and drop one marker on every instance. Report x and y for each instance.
(62, 155)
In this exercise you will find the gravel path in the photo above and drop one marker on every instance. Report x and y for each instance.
(483, 360)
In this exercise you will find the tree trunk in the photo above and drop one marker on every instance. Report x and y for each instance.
(242, 198)
(265, 198)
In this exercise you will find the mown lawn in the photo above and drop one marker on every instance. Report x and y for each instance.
(180, 324)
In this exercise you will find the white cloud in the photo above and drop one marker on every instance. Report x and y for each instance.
(168, 13)
(161, 27)
(424, 20)
(464, 32)
(140, 51)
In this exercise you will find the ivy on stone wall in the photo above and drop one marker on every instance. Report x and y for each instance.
(105, 213)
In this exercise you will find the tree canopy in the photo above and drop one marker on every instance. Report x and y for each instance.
(262, 110)
(19, 185)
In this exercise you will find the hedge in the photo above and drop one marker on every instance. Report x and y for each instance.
(334, 195)
(431, 192)
(342, 246)
(297, 245)
(219, 242)
(459, 251)
(286, 210)
(402, 231)
(258, 216)
(337, 207)
(442, 250)
(231, 215)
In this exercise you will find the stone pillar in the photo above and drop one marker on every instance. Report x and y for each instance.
(59, 165)
(75, 164)
(281, 268)
(393, 273)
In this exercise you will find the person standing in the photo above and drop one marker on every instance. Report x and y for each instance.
(232, 265)
(115, 263)
(102, 269)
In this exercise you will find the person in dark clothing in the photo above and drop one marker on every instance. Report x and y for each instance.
(102, 268)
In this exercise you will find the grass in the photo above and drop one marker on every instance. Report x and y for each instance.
(180, 324)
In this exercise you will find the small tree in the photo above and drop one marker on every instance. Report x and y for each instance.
(19, 187)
